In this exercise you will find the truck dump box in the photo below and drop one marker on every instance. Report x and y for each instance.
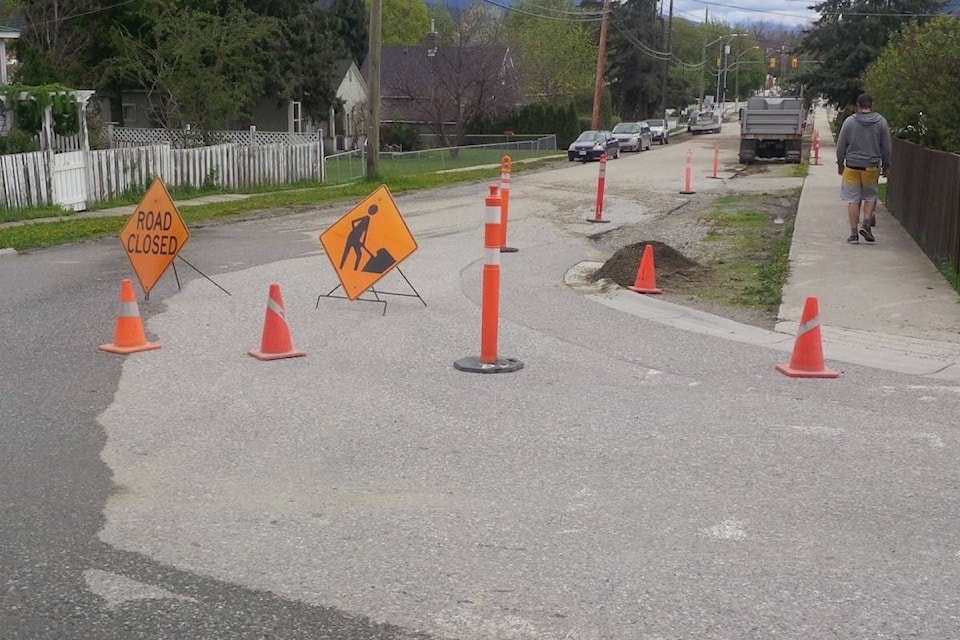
(771, 128)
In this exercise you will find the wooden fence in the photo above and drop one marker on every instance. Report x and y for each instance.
(26, 177)
(923, 193)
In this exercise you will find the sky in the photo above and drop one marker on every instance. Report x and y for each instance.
(793, 13)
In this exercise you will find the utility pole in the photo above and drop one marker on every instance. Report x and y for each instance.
(666, 69)
(703, 58)
(373, 106)
(601, 63)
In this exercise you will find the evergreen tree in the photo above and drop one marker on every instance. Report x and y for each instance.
(633, 72)
(350, 27)
(847, 38)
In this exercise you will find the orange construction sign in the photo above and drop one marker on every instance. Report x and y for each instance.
(368, 242)
(154, 235)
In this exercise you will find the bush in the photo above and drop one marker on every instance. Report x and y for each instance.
(914, 83)
(18, 141)
(401, 134)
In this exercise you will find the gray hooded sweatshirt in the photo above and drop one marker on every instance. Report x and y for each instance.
(864, 141)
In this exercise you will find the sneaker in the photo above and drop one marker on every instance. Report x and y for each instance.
(866, 233)
(853, 239)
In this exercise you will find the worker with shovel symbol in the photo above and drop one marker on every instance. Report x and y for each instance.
(356, 242)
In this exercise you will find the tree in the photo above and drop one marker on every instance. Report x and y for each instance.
(849, 35)
(480, 23)
(199, 68)
(914, 83)
(453, 87)
(404, 22)
(302, 61)
(555, 53)
(350, 27)
(634, 67)
(52, 42)
(443, 24)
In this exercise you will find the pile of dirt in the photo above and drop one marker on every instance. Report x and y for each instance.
(672, 268)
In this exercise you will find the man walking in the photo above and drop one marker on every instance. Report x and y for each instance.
(863, 155)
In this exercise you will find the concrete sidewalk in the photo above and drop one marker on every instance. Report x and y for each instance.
(886, 299)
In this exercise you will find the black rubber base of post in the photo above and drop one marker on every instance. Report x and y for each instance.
(472, 364)
(688, 193)
(595, 220)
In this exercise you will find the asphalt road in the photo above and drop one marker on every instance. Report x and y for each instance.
(632, 481)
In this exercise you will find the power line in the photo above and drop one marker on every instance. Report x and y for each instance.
(589, 17)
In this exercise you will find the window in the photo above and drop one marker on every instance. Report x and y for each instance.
(129, 114)
(296, 117)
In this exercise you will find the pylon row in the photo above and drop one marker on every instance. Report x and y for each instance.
(129, 336)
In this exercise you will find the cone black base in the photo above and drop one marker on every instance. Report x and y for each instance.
(472, 364)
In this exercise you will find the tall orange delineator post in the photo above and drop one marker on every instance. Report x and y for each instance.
(806, 361)
(489, 361)
(601, 180)
(716, 160)
(816, 146)
(128, 335)
(506, 165)
(688, 174)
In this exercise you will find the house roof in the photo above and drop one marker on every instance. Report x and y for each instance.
(9, 33)
(397, 61)
(340, 68)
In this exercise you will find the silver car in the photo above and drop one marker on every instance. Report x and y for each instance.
(633, 136)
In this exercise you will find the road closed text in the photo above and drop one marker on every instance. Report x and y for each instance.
(154, 234)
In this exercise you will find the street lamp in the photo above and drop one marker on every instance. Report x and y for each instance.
(703, 61)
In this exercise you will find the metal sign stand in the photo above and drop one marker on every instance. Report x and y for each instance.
(376, 294)
(177, 277)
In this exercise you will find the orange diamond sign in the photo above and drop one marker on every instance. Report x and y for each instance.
(368, 242)
(154, 235)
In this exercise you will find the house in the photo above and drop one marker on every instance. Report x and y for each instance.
(6, 33)
(340, 128)
(344, 129)
(437, 90)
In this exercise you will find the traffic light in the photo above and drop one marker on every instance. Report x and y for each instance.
(772, 63)
(794, 62)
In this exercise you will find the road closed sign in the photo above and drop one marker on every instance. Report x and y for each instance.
(154, 235)
(368, 242)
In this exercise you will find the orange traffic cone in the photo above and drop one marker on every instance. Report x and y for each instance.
(128, 337)
(807, 358)
(276, 342)
(646, 281)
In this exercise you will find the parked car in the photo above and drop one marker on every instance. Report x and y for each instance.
(660, 131)
(633, 136)
(593, 144)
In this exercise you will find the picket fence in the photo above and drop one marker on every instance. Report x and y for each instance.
(28, 179)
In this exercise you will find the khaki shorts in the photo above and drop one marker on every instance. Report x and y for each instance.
(859, 184)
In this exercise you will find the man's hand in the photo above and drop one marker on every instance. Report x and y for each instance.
(884, 171)
(839, 169)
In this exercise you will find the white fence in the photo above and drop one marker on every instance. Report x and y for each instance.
(191, 138)
(27, 179)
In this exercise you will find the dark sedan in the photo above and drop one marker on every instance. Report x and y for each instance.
(593, 144)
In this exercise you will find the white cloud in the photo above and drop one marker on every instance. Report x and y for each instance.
(793, 13)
